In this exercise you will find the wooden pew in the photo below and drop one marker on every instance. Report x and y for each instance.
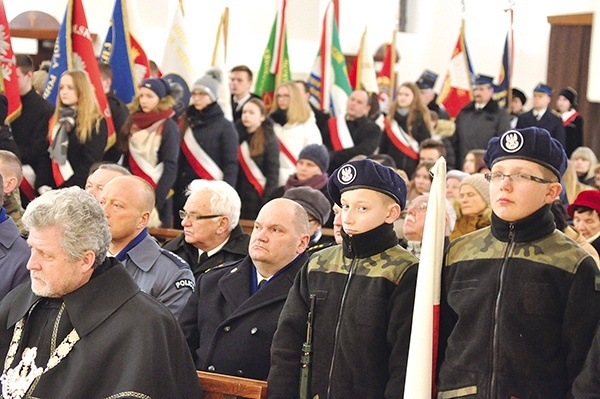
(220, 386)
(163, 235)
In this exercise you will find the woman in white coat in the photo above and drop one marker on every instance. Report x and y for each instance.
(295, 127)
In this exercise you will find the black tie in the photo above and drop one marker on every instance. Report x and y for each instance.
(262, 282)
(235, 106)
(203, 258)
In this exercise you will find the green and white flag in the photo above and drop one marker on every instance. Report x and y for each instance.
(275, 65)
(328, 81)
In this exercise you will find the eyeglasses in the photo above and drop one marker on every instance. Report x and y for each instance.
(194, 216)
(282, 95)
(421, 206)
(518, 178)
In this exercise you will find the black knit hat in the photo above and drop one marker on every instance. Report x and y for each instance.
(532, 144)
(519, 94)
(366, 174)
(318, 154)
(570, 94)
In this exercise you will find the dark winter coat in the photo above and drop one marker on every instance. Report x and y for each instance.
(519, 307)
(228, 330)
(268, 163)
(362, 320)
(235, 249)
(130, 344)
(549, 121)
(419, 131)
(475, 128)
(365, 135)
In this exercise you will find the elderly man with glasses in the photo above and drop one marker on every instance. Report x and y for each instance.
(127, 202)
(211, 233)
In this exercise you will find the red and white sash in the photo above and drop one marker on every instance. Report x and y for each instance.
(199, 160)
(570, 118)
(251, 169)
(288, 159)
(401, 140)
(60, 173)
(143, 153)
(339, 133)
(28, 182)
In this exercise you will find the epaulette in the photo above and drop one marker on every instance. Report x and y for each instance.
(318, 247)
(222, 265)
(178, 260)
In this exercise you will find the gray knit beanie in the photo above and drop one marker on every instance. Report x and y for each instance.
(209, 83)
(480, 184)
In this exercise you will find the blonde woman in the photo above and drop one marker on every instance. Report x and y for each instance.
(585, 162)
(572, 184)
(77, 134)
(294, 125)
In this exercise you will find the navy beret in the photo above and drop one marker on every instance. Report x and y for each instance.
(366, 174)
(532, 144)
(543, 88)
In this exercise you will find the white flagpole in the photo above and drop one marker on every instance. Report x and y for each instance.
(419, 373)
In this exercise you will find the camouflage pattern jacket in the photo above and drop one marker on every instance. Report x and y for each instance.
(361, 329)
(519, 308)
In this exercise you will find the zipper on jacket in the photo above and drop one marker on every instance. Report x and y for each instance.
(339, 320)
(495, 349)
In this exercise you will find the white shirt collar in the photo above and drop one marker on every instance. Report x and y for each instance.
(215, 249)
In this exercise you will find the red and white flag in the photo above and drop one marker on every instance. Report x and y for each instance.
(457, 88)
(9, 86)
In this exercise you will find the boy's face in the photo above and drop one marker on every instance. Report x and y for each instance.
(513, 201)
(364, 209)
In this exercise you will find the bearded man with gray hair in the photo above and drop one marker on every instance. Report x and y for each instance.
(83, 328)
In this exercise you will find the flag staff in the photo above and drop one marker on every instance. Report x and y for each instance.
(511, 61)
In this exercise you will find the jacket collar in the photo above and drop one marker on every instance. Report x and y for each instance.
(491, 106)
(89, 305)
(369, 243)
(144, 254)
(235, 286)
(535, 226)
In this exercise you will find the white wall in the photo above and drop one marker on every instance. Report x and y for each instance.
(433, 30)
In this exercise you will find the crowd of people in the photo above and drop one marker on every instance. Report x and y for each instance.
(520, 301)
